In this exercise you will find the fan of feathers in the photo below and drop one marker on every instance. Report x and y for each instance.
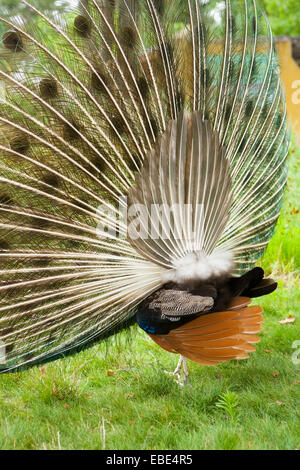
(120, 103)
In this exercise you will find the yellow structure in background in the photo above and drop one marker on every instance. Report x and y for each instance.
(290, 74)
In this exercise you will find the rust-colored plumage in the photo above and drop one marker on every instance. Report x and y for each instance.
(217, 337)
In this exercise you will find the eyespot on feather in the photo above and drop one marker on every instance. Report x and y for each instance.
(134, 162)
(71, 131)
(51, 180)
(4, 245)
(12, 41)
(82, 26)
(152, 127)
(99, 82)
(99, 163)
(119, 124)
(128, 37)
(20, 144)
(39, 223)
(233, 25)
(5, 199)
(143, 87)
(41, 262)
(48, 88)
(160, 7)
(249, 108)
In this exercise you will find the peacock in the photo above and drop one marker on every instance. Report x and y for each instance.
(143, 148)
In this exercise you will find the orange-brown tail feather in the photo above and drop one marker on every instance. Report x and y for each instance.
(218, 337)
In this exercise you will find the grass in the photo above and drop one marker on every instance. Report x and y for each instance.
(120, 398)
(283, 253)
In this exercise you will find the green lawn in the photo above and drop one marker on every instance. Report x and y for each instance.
(119, 397)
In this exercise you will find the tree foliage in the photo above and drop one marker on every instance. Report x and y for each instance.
(11, 8)
(14, 8)
(284, 16)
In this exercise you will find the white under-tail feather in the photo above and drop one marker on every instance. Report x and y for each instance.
(184, 190)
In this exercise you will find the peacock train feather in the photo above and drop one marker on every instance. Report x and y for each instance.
(121, 104)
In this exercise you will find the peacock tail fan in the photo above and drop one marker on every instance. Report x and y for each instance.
(152, 102)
